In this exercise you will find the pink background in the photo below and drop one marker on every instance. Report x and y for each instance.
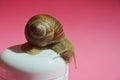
(92, 25)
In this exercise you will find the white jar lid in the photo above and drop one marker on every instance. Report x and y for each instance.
(46, 65)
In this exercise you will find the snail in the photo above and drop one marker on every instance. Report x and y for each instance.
(43, 31)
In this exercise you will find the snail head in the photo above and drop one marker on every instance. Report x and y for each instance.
(42, 30)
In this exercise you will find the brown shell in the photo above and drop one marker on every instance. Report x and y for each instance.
(42, 29)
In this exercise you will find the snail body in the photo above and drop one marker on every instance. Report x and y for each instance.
(45, 32)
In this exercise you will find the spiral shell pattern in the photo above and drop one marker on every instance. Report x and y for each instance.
(43, 29)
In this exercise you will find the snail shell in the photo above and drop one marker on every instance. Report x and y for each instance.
(43, 29)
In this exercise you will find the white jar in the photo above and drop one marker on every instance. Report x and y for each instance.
(47, 65)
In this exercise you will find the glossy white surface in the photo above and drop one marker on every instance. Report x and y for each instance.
(47, 65)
